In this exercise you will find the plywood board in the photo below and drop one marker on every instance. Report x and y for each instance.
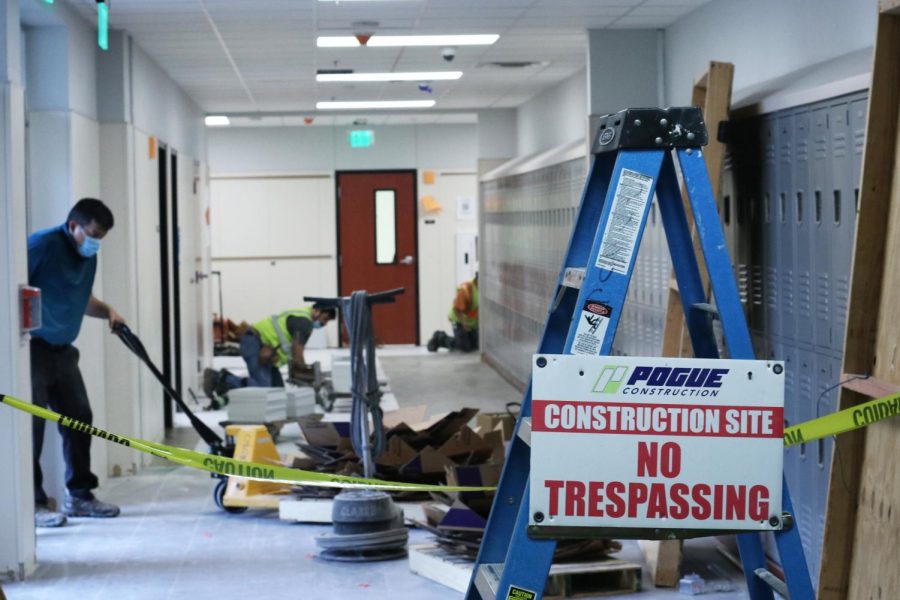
(861, 527)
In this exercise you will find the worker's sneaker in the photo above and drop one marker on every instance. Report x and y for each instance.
(79, 507)
(210, 382)
(44, 517)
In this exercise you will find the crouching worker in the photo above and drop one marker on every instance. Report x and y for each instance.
(464, 318)
(269, 345)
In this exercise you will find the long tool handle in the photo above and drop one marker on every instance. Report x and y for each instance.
(133, 343)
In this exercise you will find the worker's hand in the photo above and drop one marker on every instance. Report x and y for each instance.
(114, 319)
(267, 356)
(299, 371)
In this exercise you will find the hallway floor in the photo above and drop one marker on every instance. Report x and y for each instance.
(172, 542)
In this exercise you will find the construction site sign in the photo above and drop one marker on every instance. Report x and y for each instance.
(656, 443)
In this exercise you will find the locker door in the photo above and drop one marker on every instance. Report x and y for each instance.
(823, 228)
(802, 223)
(772, 235)
(786, 218)
(841, 215)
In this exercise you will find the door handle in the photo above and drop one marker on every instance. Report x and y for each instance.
(407, 260)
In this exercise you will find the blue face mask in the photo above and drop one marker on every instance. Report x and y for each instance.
(90, 247)
(317, 325)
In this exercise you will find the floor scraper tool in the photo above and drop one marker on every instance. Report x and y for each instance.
(368, 526)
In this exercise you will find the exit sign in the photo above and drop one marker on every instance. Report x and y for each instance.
(361, 138)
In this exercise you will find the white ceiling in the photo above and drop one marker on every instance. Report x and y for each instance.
(260, 56)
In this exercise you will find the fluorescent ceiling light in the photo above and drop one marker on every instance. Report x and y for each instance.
(376, 104)
(349, 41)
(420, 76)
(217, 121)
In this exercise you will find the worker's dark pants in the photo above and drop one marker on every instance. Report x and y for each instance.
(464, 341)
(259, 375)
(56, 383)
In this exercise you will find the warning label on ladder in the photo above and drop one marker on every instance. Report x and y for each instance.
(624, 224)
(592, 325)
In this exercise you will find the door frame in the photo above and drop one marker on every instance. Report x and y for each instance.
(337, 207)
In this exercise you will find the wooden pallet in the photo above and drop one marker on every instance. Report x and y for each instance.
(566, 580)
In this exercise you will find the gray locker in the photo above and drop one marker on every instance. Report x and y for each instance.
(824, 229)
(786, 218)
(804, 266)
(772, 230)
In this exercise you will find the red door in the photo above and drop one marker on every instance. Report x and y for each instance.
(377, 247)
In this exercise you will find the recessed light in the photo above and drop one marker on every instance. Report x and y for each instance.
(412, 76)
(217, 121)
(349, 41)
(374, 104)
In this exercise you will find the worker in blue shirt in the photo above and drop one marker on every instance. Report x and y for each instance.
(62, 261)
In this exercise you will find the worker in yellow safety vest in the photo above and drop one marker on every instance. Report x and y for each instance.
(464, 318)
(269, 345)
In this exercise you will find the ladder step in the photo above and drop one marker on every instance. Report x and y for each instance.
(487, 580)
(773, 582)
(706, 307)
(525, 430)
(573, 277)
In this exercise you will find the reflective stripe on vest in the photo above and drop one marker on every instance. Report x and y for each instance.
(273, 331)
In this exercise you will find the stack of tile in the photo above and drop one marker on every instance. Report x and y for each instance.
(257, 405)
(301, 401)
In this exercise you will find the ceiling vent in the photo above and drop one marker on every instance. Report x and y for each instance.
(513, 64)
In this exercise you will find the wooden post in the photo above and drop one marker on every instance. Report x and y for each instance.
(864, 491)
(712, 92)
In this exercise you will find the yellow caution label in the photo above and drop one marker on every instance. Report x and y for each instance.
(843, 421)
(231, 467)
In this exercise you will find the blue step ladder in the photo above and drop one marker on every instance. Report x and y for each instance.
(634, 155)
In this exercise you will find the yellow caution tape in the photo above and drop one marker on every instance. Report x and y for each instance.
(843, 421)
(836, 423)
(236, 468)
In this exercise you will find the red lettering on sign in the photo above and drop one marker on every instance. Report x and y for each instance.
(575, 499)
(631, 418)
(554, 485)
(658, 500)
(595, 497)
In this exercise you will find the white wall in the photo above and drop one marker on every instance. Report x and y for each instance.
(274, 240)
(765, 39)
(17, 539)
(623, 69)
(161, 108)
(437, 246)
(255, 150)
(497, 133)
(553, 117)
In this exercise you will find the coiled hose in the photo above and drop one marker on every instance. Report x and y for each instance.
(364, 386)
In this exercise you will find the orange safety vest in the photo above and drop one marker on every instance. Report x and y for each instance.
(469, 316)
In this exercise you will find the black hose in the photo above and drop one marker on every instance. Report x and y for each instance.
(364, 388)
(134, 344)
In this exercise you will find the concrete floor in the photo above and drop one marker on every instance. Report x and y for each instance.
(172, 542)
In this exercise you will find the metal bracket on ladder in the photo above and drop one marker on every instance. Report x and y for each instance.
(634, 159)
